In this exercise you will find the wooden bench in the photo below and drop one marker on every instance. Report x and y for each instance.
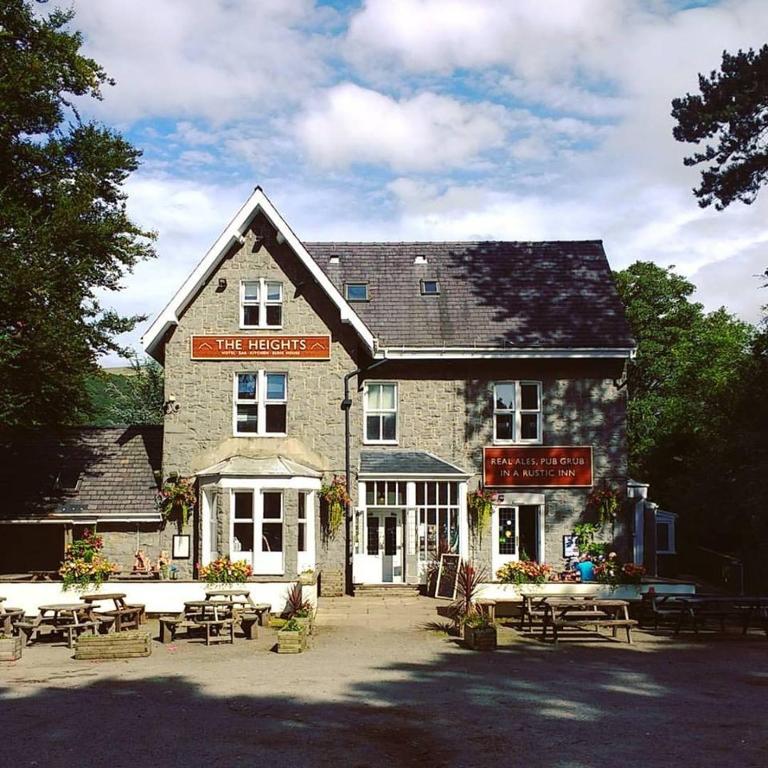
(170, 625)
(614, 624)
(73, 631)
(118, 645)
(217, 630)
(249, 623)
(124, 618)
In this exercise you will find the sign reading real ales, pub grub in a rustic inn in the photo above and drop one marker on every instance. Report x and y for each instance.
(261, 347)
(542, 466)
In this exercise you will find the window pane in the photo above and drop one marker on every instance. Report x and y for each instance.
(357, 292)
(505, 427)
(302, 506)
(381, 487)
(276, 419)
(272, 537)
(251, 291)
(246, 386)
(529, 426)
(431, 493)
(275, 386)
(302, 537)
(243, 505)
(401, 493)
(442, 493)
(420, 493)
(507, 531)
(274, 291)
(272, 505)
(389, 426)
(662, 537)
(372, 430)
(251, 314)
(373, 535)
(369, 494)
(242, 537)
(274, 314)
(529, 397)
(248, 418)
(391, 494)
(374, 397)
(388, 397)
(505, 396)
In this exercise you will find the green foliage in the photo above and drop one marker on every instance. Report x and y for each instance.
(731, 116)
(135, 397)
(65, 236)
(698, 413)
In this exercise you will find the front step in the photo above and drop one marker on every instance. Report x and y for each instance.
(387, 590)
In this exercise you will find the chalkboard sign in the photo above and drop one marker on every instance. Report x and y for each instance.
(447, 576)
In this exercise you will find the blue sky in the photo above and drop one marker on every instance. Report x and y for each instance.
(424, 120)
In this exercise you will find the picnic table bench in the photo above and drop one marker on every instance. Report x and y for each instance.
(698, 609)
(583, 614)
(70, 619)
(122, 616)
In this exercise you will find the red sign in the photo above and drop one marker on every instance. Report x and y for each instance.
(551, 466)
(261, 347)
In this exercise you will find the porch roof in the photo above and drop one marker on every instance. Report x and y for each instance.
(407, 463)
(269, 466)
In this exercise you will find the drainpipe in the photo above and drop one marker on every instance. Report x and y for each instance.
(346, 405)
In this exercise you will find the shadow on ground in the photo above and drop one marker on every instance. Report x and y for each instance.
(527, 704)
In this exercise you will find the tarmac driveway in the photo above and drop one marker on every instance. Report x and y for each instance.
(383, 685)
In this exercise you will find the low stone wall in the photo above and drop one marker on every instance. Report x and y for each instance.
(157, 596)
(499, 591)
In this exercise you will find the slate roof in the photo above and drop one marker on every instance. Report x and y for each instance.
(401, 463)
(557, 294)
(116, 466)
(247, 466)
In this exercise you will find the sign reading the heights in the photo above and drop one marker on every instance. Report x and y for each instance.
(261, 347)
(551, 466)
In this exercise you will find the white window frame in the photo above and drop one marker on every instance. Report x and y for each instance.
(261, 402)
(380, 411)
(262, 302)
(357, 283)
(518, 412)
(263, 562)
(669, 521)
(306, 558)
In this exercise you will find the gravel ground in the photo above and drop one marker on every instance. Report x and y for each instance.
(384, 685)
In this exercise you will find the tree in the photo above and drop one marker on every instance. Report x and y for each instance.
(133, 397)
(731, 115)
(64, 232)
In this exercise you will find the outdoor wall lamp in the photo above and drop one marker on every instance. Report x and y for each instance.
(222, 285)
(170, 405)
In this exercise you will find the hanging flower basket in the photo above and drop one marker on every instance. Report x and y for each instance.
(480, 506)
(606, 502)
(335, 495)
(177, 499)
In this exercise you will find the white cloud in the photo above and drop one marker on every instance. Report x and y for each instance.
(219, 60)
(350, 124)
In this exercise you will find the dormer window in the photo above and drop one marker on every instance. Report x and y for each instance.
(356, 291)
(68, 480)
(430, 287)
(261, 304)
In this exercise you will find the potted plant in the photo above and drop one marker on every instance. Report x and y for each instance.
(524, 572)
(10, 647)
(307, 577)
(480, 632)
(226, 571)
(632, 573)
(84, 567)
(177, 499)
(291, 638)
(335, 496)
(480, 506)
(606, 502)
(299, 609)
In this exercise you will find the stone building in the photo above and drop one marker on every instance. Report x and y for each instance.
(416, 373)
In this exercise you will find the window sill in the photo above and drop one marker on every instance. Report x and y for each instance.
(380, 442)
(259, 434)
(261, 327)
(517, 442)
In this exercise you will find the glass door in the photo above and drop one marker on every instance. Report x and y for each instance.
(505, 527)
(385, 542)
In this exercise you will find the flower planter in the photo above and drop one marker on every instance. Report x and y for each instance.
(291, 641)
(307, 624)
(480, 638)
(10, 648)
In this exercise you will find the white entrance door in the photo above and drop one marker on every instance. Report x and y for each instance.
(505, 530)
(384, 545)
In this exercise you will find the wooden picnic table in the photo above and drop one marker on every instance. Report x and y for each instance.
(699, 608)
(564, 613)
(237, 596)
(8, 617)
(44, 575)
(122, 616)
(63, 618)
(215, 617)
